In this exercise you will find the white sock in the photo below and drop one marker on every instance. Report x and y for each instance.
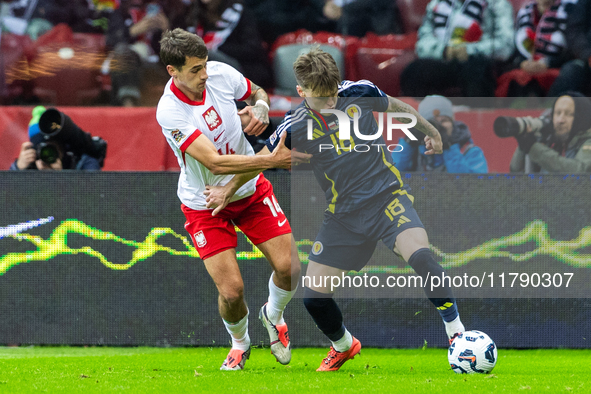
(453, 327)
(278, 299)
(343, 344)
(239, 333)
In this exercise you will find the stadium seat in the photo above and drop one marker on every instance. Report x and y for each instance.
(69, 72)
(381, 60)
(285, 56)
(91, 42)
(301, 36)
(411, 13)
(17, 51)
(347, 44)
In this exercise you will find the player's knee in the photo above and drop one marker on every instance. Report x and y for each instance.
(295, 263)
(232, 295)
(287, 271)
(295, 270)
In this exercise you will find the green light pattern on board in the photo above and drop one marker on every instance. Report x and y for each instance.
(56, 244)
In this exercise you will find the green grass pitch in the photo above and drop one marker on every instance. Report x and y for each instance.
(196, 370)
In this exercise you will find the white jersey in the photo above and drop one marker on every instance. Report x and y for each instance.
(183, 120)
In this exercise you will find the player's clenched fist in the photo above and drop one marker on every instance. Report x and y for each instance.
(259, 118)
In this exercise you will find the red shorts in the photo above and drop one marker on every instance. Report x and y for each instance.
(259, 217)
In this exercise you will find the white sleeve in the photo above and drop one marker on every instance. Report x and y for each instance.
(238, 83)
(176, 128)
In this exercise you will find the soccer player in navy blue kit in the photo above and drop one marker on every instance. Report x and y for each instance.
(367, 200)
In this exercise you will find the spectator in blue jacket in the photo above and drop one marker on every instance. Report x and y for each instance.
(460, 155)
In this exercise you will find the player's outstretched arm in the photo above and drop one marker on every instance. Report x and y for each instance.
(258, 109)
(433, 138)
(203, 150)
(218, 197)
(296, 157)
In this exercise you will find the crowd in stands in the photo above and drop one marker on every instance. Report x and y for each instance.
(469, 48)
(423, 48)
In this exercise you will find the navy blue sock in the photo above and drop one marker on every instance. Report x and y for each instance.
(326, 313)
(423, 262)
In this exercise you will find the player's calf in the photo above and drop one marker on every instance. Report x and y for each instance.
(423, 262)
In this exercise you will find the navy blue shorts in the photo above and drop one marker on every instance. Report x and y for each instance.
(348, 240)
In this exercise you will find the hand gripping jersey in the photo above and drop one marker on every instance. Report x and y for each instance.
(183, 120)
(352, 174)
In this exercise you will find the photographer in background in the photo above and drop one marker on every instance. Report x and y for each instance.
(56, 143)
(559, 141)
(460, 155)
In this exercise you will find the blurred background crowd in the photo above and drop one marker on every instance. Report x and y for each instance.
(104, 52)
(464, 53)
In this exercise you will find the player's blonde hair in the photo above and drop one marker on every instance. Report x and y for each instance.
(317, 71)
(178, 44)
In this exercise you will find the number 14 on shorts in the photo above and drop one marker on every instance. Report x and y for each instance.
(274, 207)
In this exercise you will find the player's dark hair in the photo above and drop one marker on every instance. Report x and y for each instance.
(178, 44)
(317, 71)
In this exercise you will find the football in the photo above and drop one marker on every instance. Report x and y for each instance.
(472, 352)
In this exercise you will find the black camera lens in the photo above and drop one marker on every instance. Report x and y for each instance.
(48, 153)
(51, 122)
(506, 126)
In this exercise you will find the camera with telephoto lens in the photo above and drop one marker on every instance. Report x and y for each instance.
(61, 133)
(507, 126)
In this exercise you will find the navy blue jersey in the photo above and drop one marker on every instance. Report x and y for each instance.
(352, 171)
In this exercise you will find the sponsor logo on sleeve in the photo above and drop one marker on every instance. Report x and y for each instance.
(177, 135)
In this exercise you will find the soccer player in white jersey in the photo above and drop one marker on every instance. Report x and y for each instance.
(199, 119)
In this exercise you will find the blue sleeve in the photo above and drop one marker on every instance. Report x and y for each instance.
(273, 139)
(404, 159)
(13, 166)
(473, 161)
(88, 163)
